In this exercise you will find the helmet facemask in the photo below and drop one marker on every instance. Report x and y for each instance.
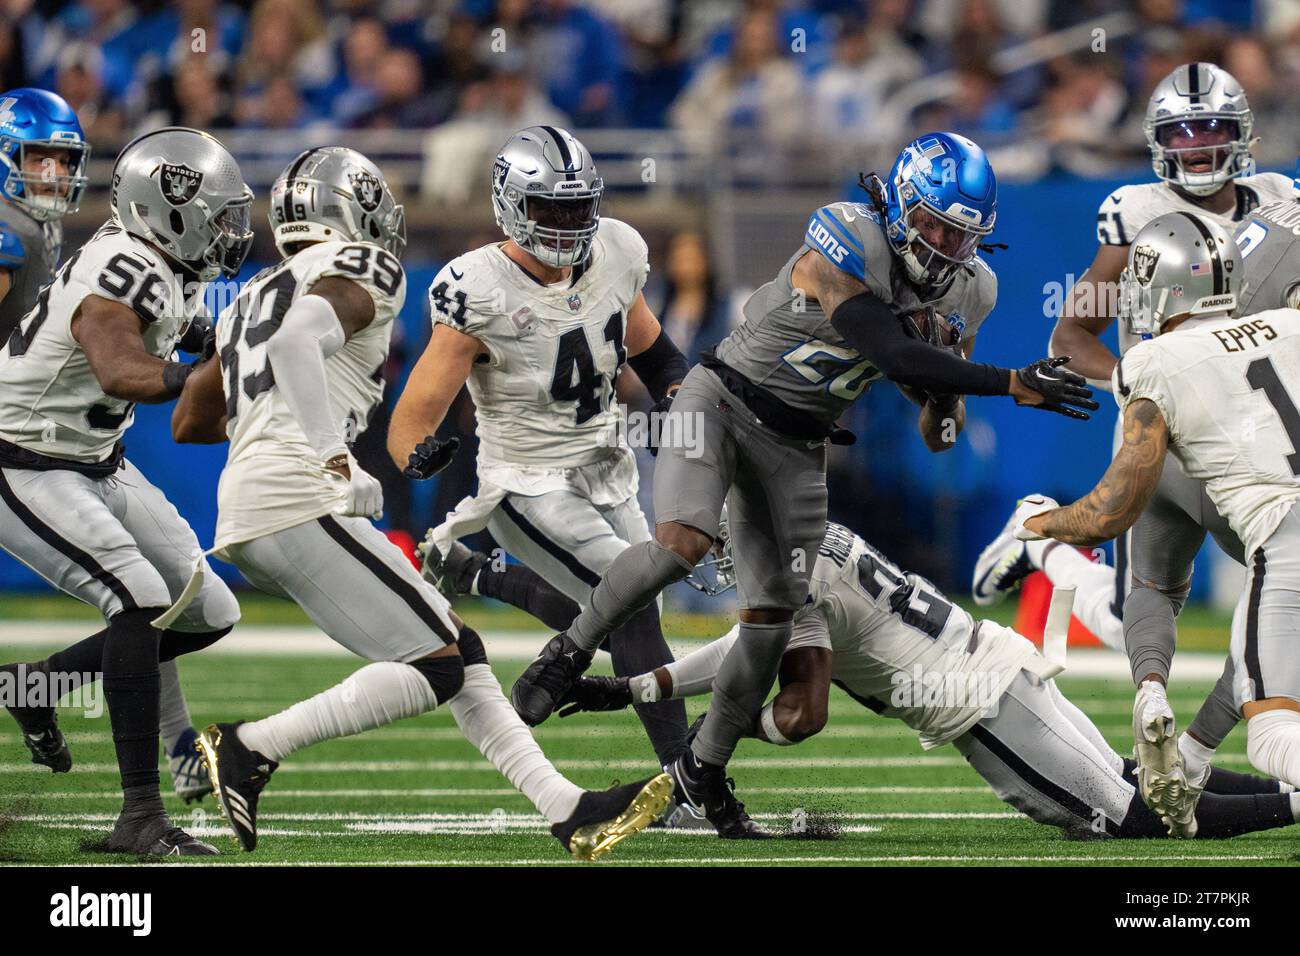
(43, 193)
(720, 560)
(931, 244)
(558, 228)
(1220, 145)
(1139, 306)
(233, 232)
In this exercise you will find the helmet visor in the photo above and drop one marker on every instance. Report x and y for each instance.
(1199, 146)
(564, 213)
(233, 228)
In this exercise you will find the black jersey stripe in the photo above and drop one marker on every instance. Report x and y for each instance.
(565, 154)
(1216, 260)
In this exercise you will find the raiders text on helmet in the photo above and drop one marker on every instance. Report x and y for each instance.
(335, 194)
(181, 190)
(1203, 110)
(546, 194)
(1179, 264)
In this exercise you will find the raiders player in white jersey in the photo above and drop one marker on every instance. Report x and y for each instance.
(891, 641)
(539, 327)
(72, 507)
(1212, 390)
(300, 354)
(1199, 129)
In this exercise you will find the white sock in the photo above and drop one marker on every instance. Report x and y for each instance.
(1095, 590)
(1273, 744)
(1295, 805)
(174, 715)
(488, 721)
(694, 673)
(1196, 758)
(644, 688)
(771, 732)
(376, 695)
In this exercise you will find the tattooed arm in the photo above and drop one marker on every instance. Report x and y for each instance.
(1123, 492)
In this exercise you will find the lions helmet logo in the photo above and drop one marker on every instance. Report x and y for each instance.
(368, 189)
(180, 184)
(1144, 263)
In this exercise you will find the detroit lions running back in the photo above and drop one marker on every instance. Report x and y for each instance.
(835, 319)
(72, 507)
(296, 377)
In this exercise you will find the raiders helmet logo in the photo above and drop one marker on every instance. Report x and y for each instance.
(180, 184)
(368, 189)
(1144, 263)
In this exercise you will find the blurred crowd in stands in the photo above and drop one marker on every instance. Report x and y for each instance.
(780, 71)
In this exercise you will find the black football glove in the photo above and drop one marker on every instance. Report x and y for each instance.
(430, 457)
(1063, 391)
(200, 339)
(595, 694)
(660, 407)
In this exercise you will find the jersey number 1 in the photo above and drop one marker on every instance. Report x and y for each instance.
(575, 378)
(1263, 377)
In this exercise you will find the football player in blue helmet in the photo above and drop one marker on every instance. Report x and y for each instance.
(889, 289)
(42, 176)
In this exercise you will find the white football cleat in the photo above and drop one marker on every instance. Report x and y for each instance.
(1159, 771)
(1002, 565)
(189, 777)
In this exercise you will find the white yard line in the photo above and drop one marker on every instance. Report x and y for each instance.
(615, 860)
(517, 645)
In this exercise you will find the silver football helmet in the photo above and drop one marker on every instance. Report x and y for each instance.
(335, 193)
(1178, 264)
(719, 560)
(1203, 108)
(181, 190)
(546, 194)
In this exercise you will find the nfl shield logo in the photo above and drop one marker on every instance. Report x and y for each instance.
(180, 184)
(575, 302)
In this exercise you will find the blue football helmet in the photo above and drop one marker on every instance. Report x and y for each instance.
(941, 199)
(32, 120)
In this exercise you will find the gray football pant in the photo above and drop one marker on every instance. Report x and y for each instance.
(1266, 624)
(355, 585)
(1044, 757)
(1156, 559)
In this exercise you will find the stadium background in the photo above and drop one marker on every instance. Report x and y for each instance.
(719, 125)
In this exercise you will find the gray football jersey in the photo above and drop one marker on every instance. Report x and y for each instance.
(29, 251)
(1269, 242)
(787, 343)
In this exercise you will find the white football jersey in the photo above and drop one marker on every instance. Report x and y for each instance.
(50, 401)
(899, 646)
(1227, 390)
(273, 478)
(544, 394)
(1125, 211)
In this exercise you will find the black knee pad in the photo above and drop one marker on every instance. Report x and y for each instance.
(446, 675)
(471, 646)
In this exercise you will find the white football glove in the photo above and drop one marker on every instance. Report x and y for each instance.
(364, 494)
(1029, 506)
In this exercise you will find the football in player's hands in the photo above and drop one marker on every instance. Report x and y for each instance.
(430, 457)
(1029, 506)
(929, 326)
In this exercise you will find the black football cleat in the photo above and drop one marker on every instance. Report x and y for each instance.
(39, 725)
(548, 679)
(152, 834)
(238, 776)
(708, 789)
(454, 573)
(605, 818)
